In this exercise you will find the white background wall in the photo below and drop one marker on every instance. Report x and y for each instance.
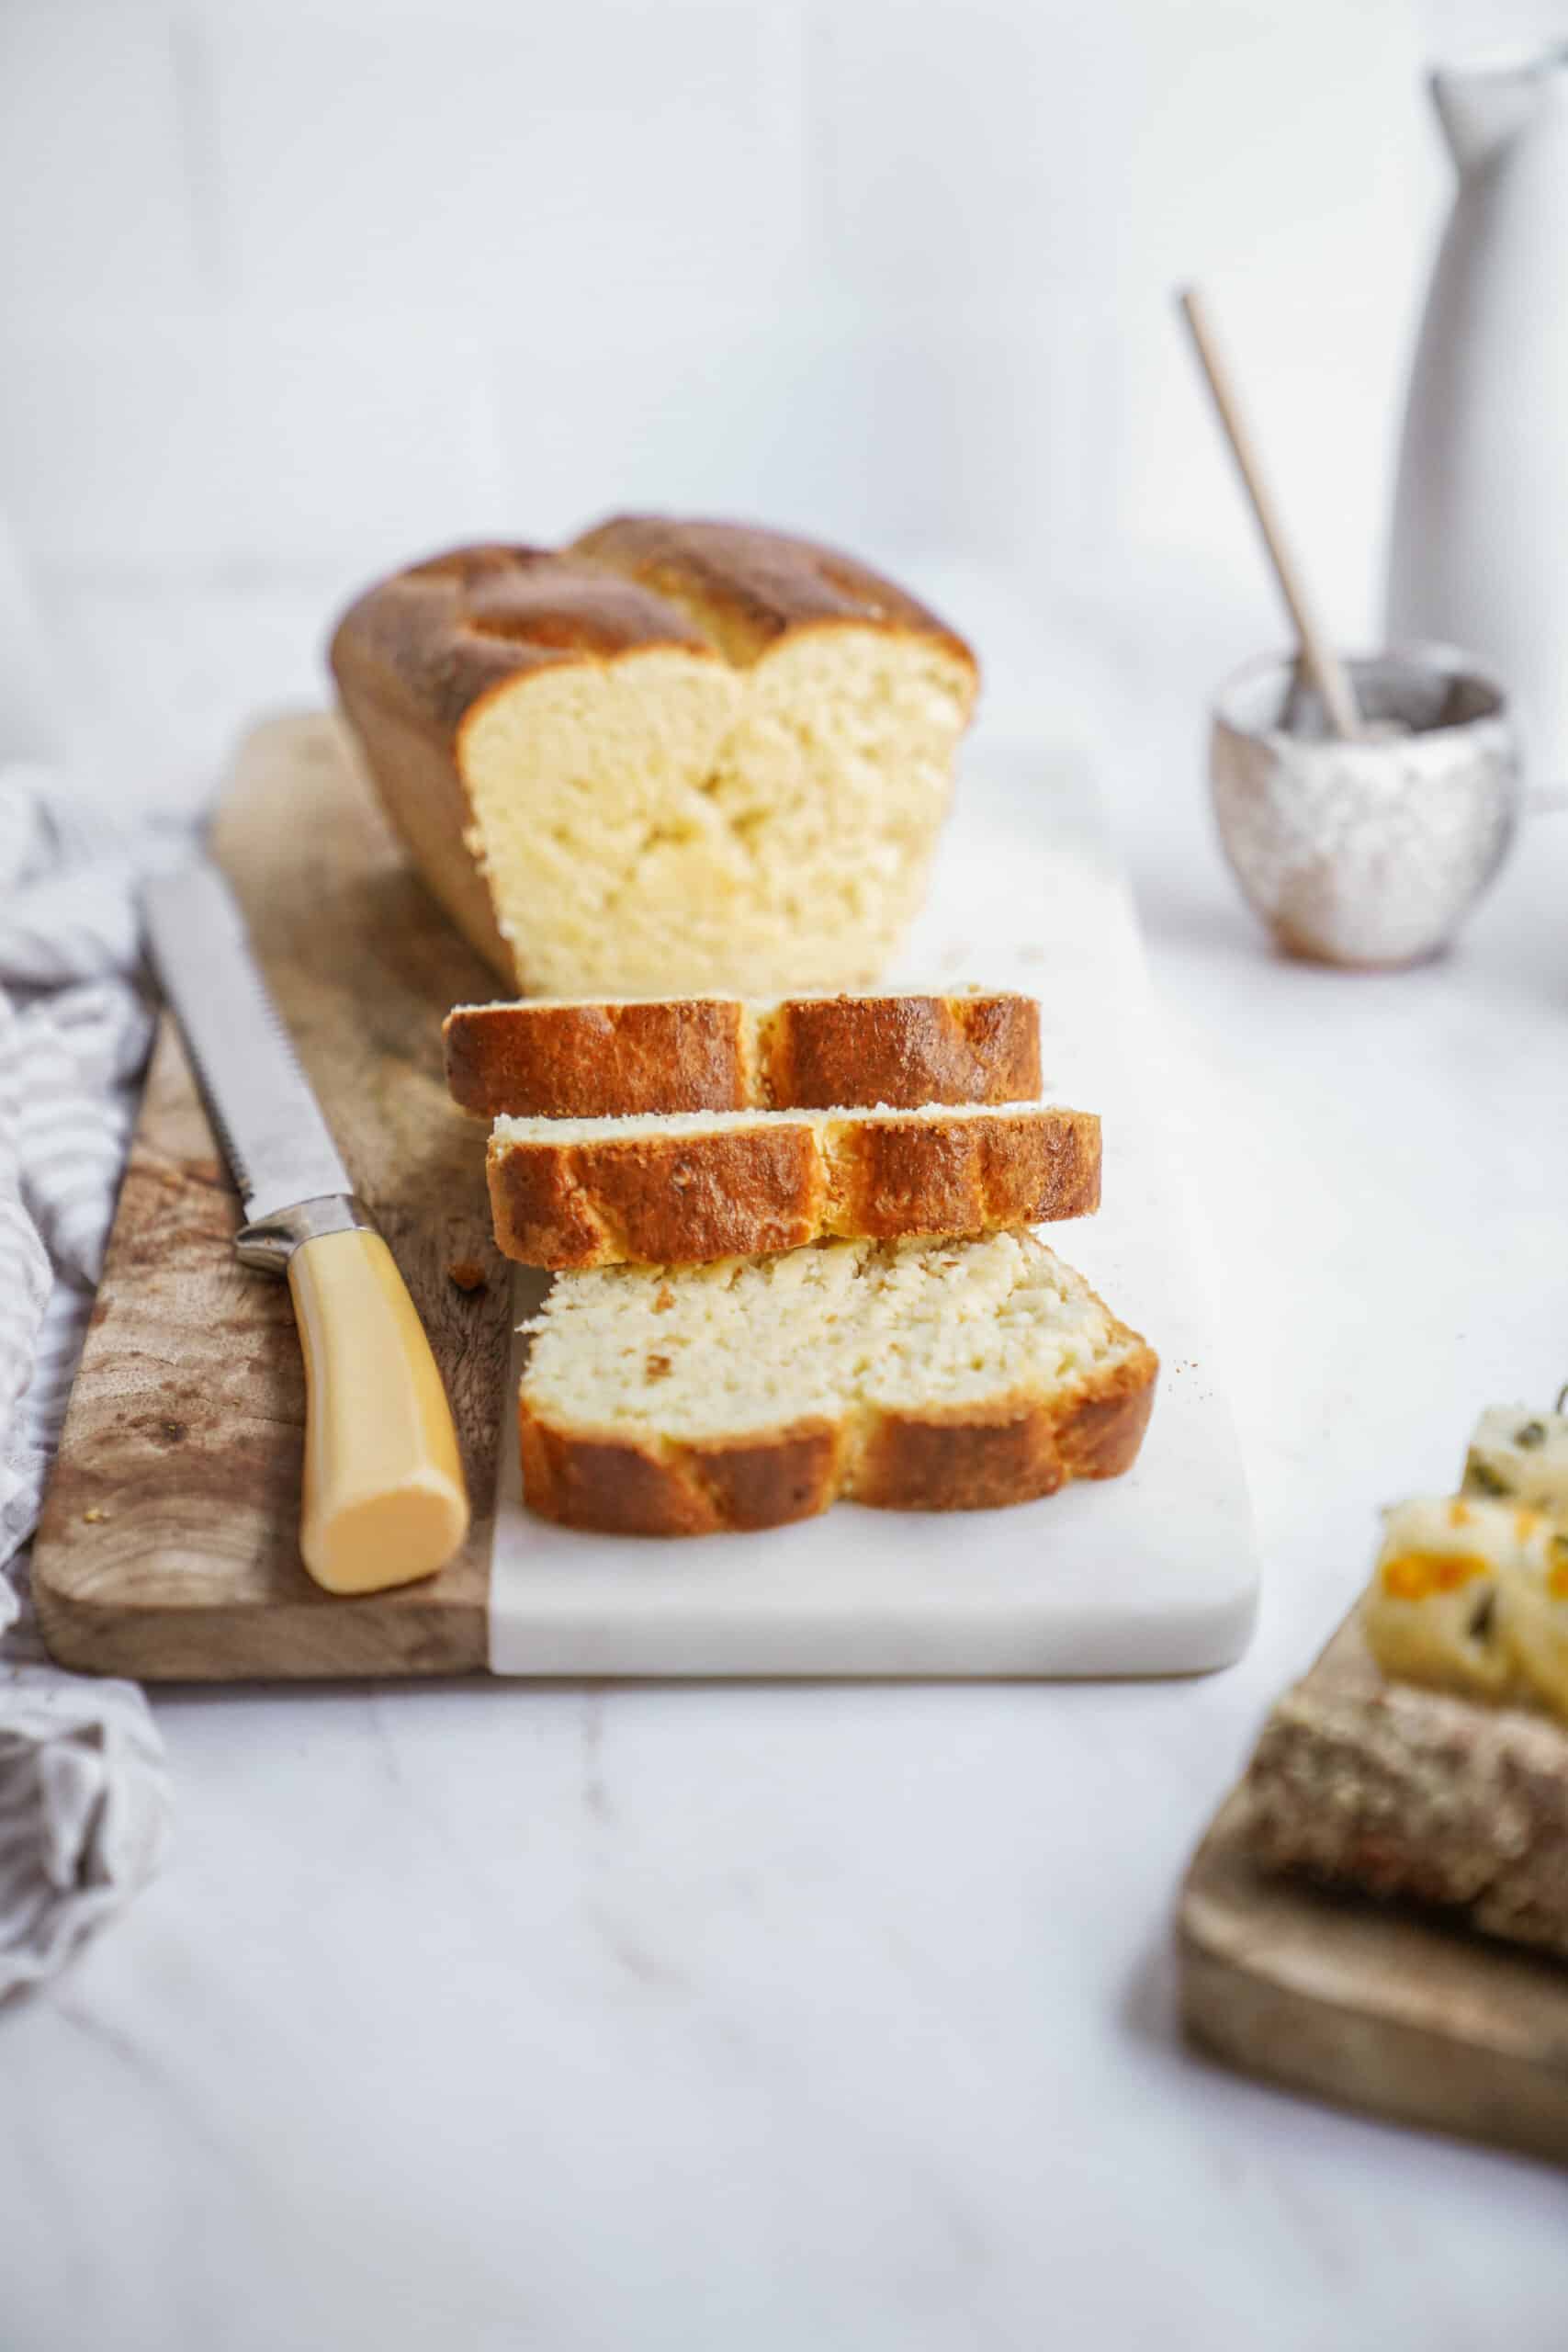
(306, 280)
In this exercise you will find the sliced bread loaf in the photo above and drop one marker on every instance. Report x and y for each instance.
(703, 1184)
(551, 1057)
(955, 1375)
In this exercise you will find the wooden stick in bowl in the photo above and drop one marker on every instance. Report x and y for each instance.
(1319, 659)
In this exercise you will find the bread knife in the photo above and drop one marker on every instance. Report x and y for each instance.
(384, 1499)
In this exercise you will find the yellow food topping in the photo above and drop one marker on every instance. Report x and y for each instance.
(1414, 1575)
(1473, 1597)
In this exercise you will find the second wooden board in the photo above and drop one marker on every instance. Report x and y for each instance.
(1370, 2005)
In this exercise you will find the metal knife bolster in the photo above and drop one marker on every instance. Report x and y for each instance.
(269, 1242)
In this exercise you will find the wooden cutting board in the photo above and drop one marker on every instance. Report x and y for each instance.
(168, 1546)
(1370, 2005)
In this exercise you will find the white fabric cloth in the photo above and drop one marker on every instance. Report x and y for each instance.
(83, 1795)
(84, 1810)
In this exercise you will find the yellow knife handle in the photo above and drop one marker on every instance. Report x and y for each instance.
(384, 1499)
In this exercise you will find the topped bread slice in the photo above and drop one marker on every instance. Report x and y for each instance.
(686, 1186)
(955, 1375)
(672, 755)
(552, 1058)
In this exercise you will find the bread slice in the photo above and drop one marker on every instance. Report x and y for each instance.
(617, 1059)
(671, 756)
(691, 1185)
(1390, 1790)
(955, 1375)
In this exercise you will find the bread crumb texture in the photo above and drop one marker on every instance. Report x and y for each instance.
(747, 1346)
(669, 820)
(692, 1126)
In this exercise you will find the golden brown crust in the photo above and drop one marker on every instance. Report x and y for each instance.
(656, 1200)
(1398, 1791)
(671, 1199)
(982, 1458)
(596, 1061)
(745, 587)
(891, 1177)
(434, 639)
(772, 1481)
(416, 776)
(620, 1487)
(541, 1059)
(979, 1460)
(817, 1052)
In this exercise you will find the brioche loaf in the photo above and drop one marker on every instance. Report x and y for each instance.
(555, 1058)
(700, 1185)
(912, 1376)
(674, 755)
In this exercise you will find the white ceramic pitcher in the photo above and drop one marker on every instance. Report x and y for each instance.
(1479, 556)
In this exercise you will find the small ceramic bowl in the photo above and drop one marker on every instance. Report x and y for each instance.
(1367, 854)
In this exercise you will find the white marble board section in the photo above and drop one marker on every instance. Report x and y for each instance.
(1154, 1573)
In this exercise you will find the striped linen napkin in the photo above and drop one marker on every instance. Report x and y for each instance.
(83, 1795)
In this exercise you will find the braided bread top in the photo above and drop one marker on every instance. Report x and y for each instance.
(439, 635)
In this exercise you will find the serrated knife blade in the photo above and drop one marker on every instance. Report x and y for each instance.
(268, 1121)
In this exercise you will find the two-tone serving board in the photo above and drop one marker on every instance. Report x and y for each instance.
(168, 1548)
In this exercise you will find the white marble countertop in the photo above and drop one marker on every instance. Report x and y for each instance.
(491, 2017)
